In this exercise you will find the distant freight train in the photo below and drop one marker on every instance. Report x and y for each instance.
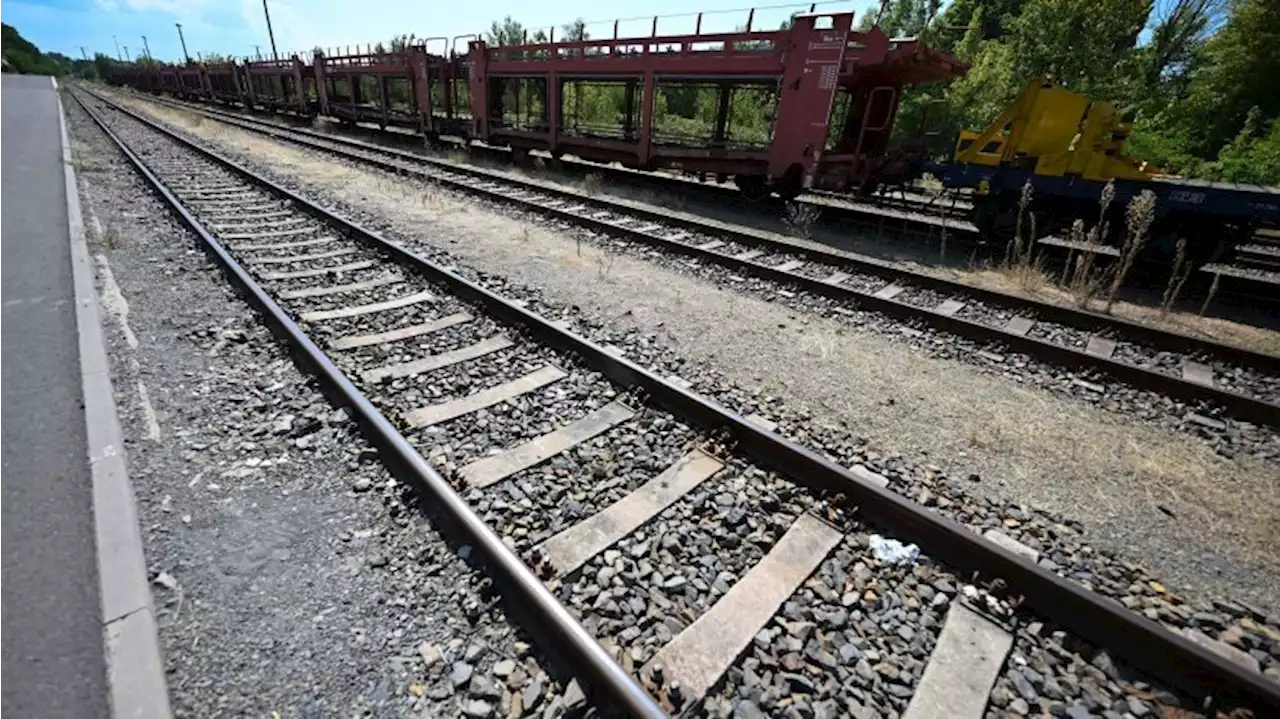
(811, 106)
(827, 95)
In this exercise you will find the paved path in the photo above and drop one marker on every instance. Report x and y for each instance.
(53, 664)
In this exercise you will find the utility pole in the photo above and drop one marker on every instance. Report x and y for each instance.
(183, 40)
(884, 8)
(117, 42)
(270, 34)
(147, 47)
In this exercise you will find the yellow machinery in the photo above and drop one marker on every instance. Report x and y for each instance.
(1056, 132)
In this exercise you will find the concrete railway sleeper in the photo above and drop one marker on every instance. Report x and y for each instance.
(1241, 383)
(681, 535)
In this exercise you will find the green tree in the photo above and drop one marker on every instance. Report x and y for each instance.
(20, 56)
(969, 45)
(1086, 43)
(907, 18)
(102, 65)
(507, 32)
(401, 42)
(1236, 70)
(1180, 29)
(1254, 154)
(1089, 44)
(993, 15)
(575, 31)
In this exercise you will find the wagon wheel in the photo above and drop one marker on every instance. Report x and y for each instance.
(752, 187)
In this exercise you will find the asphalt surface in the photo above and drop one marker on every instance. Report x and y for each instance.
(52, 653)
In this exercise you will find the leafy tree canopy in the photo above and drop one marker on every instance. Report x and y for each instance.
(1201, 77)
(22, 57)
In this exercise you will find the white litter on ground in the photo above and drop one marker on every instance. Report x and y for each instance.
(893, 552)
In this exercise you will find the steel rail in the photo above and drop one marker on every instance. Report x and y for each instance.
(864, 213)
(856, 213)
(1242, 406)
(580, 648)
(1143, 643)
(841, 209)
(1081, 319)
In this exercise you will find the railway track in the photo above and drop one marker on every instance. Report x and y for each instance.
(906, 213)
(1214, 379)
(1263, 253)
(910, 213)
(674, 554)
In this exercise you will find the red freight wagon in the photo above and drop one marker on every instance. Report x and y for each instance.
(824, 97)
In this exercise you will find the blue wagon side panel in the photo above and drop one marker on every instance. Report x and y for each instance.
(1227, 200)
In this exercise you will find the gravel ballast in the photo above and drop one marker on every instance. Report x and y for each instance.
(925, 483)
(1194, 516)
(291, 572)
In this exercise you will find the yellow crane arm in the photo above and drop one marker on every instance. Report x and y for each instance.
(1057, 132)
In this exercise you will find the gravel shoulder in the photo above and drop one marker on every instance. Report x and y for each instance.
(292, 576)
(1205, 523)
(1239, 324)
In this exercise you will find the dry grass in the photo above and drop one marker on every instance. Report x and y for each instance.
(1138, 217)
(800, 217)
(82, 165)
(1090, 464)
(1177, 277)
(1014, 254)
(664, 199)
(1028, 277)
(108, 237)
(1260, 339)
(182, 119)
(1185, 476)
(604, 265)
(592, 183)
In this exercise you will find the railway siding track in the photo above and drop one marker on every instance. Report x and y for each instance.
(926, 214)
(1243, 383)
(708, 481)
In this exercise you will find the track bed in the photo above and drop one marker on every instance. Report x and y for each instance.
(697, 543)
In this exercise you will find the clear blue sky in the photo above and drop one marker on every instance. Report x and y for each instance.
(233, 27)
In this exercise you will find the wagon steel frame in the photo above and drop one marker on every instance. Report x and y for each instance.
(423, 72)
(295, 85)
(809, 63)
(820, 72)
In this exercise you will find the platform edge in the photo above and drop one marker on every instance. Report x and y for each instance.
(135, 669)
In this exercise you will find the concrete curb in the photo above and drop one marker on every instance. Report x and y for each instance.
(135, 670)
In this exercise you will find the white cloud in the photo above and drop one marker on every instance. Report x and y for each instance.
(173, 7)
(181, 8)
(303, 26)
(188, 12)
